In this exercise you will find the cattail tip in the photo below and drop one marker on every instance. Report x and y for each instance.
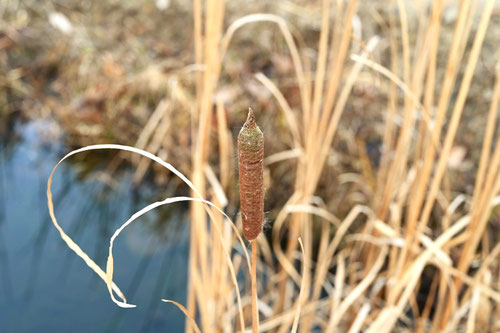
(250, 118)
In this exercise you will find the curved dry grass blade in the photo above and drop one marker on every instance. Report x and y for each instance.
(466, 279)
(401, 85)
(343, 228)
(406, 284)
(107, 277)
(301, 292)
(313, 210)
(286, 316)
(304, 90)
(283, 156)
(287, 110)
(70, 243)
(288, 267)
(216, 186)
(358, 290)
(186, 313)
(133, 150)
(135, 216)
(110, 263)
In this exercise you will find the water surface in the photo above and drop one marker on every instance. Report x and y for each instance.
(44, 286)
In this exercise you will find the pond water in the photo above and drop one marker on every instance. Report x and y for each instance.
(44, 286)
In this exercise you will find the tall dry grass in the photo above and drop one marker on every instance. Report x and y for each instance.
(365, 270)
(381, 269)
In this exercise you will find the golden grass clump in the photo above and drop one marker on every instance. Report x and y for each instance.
(389, 241)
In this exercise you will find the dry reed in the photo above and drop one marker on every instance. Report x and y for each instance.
(397, 243)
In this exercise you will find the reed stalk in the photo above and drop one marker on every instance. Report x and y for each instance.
(251, 169)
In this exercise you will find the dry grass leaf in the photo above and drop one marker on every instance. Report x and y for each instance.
(108, 275)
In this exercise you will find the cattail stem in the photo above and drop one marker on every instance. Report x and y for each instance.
(251, 168)
(255, 307)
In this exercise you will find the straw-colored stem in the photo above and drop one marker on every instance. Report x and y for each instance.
(255, 306)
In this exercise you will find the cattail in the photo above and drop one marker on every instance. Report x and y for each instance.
(251, 167)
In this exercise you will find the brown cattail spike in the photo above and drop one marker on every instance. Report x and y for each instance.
(251, 168)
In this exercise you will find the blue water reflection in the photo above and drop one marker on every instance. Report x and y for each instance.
(44, 286)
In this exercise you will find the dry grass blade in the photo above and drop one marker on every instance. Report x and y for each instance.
(253, 18)
(73, 246)
(107, 277)
(360, 318)
(135, 216)
(283, 156)
(284, 261)
(186, 313)
(152, 124)
(488, 137)
(339, 284)
(331, 126)
(400, 84)
(357, 291)
(302, 286)
(287, 110)
(216, 186)
(309, 209)
(457, 111)
(390, 314)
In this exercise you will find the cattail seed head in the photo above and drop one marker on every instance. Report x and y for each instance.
(251, 169)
